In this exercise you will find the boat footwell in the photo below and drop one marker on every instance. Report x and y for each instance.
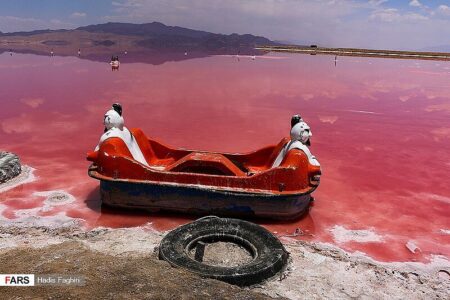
(202, 200)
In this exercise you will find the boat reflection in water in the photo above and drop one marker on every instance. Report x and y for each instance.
(115, 63)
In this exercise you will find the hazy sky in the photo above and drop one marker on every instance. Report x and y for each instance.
(394, 24)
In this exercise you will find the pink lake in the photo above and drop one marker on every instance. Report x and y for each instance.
(381, 130)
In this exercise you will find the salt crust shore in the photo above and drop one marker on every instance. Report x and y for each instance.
(315, 270)
(342, 235)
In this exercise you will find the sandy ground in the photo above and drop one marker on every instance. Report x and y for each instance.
(112, 277)
(123, 263)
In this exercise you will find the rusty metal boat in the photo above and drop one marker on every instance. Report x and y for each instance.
(200, 182)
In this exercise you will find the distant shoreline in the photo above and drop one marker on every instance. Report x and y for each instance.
(359, 52)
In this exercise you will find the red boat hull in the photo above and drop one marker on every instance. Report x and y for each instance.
(203, 182)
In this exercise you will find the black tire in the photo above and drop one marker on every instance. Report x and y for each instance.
(269, 255)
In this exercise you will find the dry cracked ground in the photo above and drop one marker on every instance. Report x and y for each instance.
(122, 263)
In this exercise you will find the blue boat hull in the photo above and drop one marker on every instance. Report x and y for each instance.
(202, 200)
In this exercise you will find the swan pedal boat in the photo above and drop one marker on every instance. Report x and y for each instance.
(201, 182)
(115, 63)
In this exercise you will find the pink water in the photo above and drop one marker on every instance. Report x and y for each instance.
(381, 130)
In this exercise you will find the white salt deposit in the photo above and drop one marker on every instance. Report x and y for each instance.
(343, 235)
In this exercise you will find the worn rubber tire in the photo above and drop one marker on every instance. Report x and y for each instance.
(269, 255)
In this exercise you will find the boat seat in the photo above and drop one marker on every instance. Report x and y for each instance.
(277, 150)
(268, 163)
(206, 163)
(148, 151)
(113, 146)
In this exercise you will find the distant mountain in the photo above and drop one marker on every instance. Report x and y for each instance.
(148, 29)
(100, 41)
(158, 35)
(30, 33)
(150, 35)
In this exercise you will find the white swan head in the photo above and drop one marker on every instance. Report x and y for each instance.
(112, 119)
(301, 132)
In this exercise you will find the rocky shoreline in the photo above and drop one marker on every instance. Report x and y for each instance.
(10, 166)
